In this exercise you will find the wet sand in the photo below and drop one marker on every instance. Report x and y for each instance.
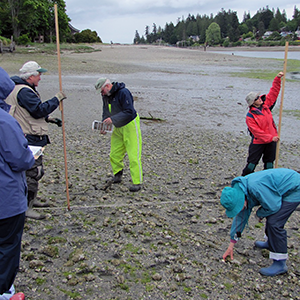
(166, 241)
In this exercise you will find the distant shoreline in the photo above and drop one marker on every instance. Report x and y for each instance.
(212, 48)
(248, 48)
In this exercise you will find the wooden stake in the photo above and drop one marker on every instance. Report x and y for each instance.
(281, 103)
(61, 104)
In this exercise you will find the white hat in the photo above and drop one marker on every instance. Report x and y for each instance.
(251, 97)
(31, 68)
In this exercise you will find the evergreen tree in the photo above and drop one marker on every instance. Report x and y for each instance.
(274, 25)
(137, 38)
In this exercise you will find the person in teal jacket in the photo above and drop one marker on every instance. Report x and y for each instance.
(277, 193)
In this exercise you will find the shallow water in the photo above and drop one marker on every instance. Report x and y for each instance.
(189, 89)
(184, 101)
(264, 54)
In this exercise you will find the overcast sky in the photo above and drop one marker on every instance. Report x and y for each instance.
(117, 20)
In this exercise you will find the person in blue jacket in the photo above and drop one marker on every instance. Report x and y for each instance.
(126, 137)
(277, 193)
(15, 159)
(33, 115)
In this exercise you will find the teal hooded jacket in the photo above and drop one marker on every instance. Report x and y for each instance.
(266, 189)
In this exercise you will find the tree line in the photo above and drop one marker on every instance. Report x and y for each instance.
(26, 20)
(224, 28)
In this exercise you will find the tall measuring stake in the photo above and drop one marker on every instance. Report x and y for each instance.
(281, 102)
(61, 108)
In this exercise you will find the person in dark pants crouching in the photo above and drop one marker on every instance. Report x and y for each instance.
(277, 194)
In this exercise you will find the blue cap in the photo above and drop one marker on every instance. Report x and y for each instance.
(233, 199)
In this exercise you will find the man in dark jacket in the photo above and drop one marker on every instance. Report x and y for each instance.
(33, 116)
(15, 159)
(126, 137)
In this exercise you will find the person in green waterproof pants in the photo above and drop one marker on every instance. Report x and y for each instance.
(126, 137)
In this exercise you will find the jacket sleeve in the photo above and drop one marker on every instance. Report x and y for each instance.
(239, 222)
(256, 130)
(33, 104)
(126, 102)
(105, 111)
(271, 97)
(14, 147)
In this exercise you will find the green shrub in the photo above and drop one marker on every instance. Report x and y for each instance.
(23, 40)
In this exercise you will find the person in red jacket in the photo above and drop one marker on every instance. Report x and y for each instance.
(262, 127)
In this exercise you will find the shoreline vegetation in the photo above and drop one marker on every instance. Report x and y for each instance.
(166, 241)
(87, 48)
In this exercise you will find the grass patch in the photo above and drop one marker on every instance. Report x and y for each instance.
(295, 112)
(40, 281)
(57, 240)
(72, 295)
(259, 225)
(51, 48)
(293, 65)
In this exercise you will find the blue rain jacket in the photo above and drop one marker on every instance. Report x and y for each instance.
(266, 189)
(15, 158)
(31, 101)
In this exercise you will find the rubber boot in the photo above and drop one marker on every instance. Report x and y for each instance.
(250, 167)
(262, 245)
(135, 187)
(18, 296)
(268, 165)
(8, 294)
(117, 177)
(30, 213)
(37, 203)
(278, 267)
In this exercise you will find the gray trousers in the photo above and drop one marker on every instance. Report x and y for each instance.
(33, 176)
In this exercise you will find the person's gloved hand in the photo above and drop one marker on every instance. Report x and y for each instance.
(60, 96)
(56, 121)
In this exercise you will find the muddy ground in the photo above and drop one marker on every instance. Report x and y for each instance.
(166, 241)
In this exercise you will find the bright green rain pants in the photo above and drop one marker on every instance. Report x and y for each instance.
(127, 139)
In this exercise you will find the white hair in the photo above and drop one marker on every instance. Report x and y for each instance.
(25, 76)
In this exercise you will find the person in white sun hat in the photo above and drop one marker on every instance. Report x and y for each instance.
(33, 115)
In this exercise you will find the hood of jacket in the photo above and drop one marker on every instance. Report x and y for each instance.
(7, 85)
(116, 86)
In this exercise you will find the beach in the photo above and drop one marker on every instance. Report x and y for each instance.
(166, 241)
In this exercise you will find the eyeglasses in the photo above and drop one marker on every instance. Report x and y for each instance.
(256, 98)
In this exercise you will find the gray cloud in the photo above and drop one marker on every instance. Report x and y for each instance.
(117, 20)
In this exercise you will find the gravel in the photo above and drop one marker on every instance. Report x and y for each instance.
(166, 241)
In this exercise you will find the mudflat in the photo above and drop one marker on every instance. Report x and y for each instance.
(166, 241)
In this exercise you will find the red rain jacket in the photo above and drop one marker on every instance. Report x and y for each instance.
(260, 120)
